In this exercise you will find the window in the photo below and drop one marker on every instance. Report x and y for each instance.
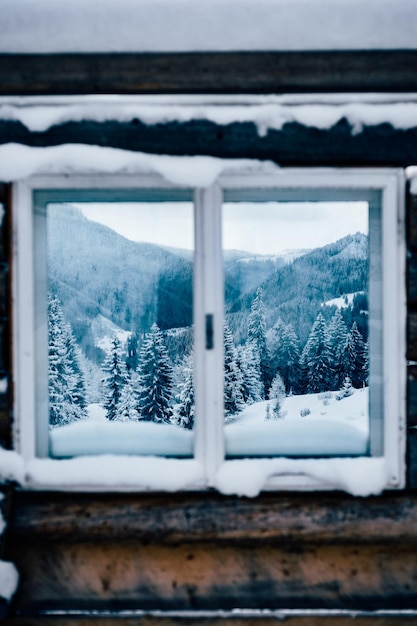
(255, 326)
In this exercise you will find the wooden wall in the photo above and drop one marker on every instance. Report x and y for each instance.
(204, 553)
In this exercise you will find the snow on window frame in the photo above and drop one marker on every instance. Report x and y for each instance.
(208, 468)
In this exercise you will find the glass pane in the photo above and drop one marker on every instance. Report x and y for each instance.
(296, 328)
(120, 328)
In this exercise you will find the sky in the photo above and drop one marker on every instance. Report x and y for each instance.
(258, 228)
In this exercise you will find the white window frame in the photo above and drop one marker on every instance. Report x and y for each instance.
(208, 299)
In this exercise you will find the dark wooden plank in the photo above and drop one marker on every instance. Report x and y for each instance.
(412, 395)
(201, 72)
(412, 280)
(412, 221)
(130, 575)
(5, 341)
(226, 620)
(163, 519)
(412, 335)
(293, 145)
(412, 458)
(4, 290)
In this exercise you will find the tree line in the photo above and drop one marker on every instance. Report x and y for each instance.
(268, 365)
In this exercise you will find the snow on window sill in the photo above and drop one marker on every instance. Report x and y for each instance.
(247, 477)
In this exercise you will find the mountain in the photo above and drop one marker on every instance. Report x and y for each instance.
(296, 291)
(108, 284)
(95, 271)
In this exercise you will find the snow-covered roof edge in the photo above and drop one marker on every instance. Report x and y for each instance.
(48, 26)
(267, 113)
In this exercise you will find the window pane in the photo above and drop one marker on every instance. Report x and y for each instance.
(296, 328)
(120, 318)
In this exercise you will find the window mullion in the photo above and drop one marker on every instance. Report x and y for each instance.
(209, 302)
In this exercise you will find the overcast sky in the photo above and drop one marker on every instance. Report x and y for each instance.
(258, 228)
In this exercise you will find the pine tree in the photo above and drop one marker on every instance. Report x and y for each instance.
(337, 335)
(127, 406)
(315, 359)
(233, 379)
(346, 389)
(284, 350)
(276, 395)
(186, 407)
(355, 357)
(155, 380)
(115, 382)
(66, 387)
(132, 352)
(257, 337)
(275, 341)
(248, 362)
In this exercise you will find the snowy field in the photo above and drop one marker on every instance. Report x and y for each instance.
(97, 435)
(343, 301)
(337, 428)
(332, 427)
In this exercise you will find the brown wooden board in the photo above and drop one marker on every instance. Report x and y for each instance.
(130, 575)
(166, 519)
(204, 551)
(202, 72)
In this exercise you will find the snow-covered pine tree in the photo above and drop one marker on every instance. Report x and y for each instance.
(315, 358)
(233, 379)
(115, 380)
(66, 387)
(127, 406)
(155, 375)
(276, 395)
(248, 363)
(186, 407)
(337, 334)
(346, 389)
(284, 350)
(257, 337)
(355, 357)
(366, 365)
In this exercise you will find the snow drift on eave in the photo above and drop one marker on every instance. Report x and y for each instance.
(266, 113)
(18, 162)
(42, 26)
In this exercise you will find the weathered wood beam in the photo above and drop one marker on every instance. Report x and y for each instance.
(204, 620)
(203, 72)
(130, 575)
(168, 519)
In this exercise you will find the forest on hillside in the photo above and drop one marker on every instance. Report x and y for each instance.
(282, 334)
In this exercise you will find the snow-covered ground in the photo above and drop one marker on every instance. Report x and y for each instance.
(331, 427)
(343, 301)
(97, 435)
(105, 331)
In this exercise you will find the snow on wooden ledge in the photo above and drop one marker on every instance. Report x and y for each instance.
(266, 112)
(18, 162)
(247, 477)
(359, 476)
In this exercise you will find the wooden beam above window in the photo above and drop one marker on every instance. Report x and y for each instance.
(214, 73)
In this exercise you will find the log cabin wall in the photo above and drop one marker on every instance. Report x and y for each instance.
(192, 558)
